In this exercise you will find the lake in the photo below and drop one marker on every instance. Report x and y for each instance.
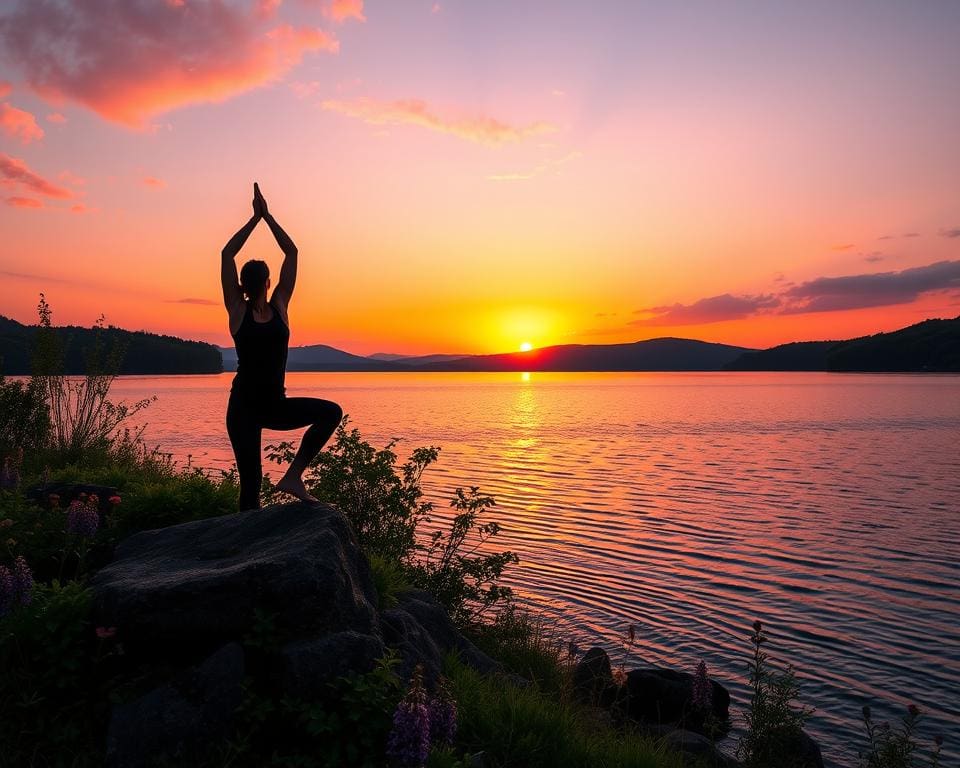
(690, 504)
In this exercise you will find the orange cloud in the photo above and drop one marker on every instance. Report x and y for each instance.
(129, 61)
(153, 181)
(80, 208)
(19, 124)
(341, 10)
(479, 128)
(14, 171)
(5, 89)
(24, 202)
(56, 117)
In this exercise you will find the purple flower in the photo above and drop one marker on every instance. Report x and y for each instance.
(82, 519)
(22, 581)
(409, 741)
(702, 690)
(443, 717)
(6, 590)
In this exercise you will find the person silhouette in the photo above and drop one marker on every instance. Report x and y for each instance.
(261, 333)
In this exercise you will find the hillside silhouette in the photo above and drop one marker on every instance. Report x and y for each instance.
(144, 353)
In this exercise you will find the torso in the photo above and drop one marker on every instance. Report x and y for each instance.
(261, 354)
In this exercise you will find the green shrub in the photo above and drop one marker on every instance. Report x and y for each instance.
(385, 504)
(24, 417)
(390, 580)
(889, 747)
(345, 724)
(531, 728)
(50, 709)
(773, 724)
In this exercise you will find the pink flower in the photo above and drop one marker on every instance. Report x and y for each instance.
(114, 500)
(106, 632)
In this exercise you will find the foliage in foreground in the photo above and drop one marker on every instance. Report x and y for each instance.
(384, 502)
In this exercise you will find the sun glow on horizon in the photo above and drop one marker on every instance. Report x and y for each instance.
(526, 346)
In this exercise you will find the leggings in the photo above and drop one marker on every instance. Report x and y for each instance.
(245, 422)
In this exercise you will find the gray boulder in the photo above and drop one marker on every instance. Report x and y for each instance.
(422, 631)
(178, 719)
(190, 588)
(593, 678)
(307, 666)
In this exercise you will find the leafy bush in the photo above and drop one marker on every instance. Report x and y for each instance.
(889, 747)
(48, 654)
(82, 418)
(774, 727)
(385, 504)
(344, 724)
(24, 417)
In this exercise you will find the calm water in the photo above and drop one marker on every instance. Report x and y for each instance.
(828, 506)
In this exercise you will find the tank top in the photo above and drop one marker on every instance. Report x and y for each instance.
(261, 358)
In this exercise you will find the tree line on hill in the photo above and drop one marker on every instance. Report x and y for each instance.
(143, 353)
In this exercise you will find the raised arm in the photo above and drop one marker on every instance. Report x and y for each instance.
(229, 280)
(288, 270)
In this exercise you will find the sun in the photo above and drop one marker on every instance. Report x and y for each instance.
(526, 346)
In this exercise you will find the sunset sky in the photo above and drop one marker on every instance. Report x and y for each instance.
(472, 176)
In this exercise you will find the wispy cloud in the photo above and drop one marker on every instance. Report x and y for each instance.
(56, 117)
(17, 173)
(19, 124)
(479, 128)
(199, 302)
(153, 181)
(130, 59)
(537, 170)
(832, 294)
(822, 294)
(24, 202)
(873, 257)
(955, 232)
(5, 89)
(715, 309)
(341, 10)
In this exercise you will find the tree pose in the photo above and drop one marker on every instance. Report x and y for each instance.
(261, 333)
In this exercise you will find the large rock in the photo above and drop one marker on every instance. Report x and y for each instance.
(593, 678)
(178, 719)
(699, 747)
(421, 630)
(659, 695)
(187, 589)
(308, 665)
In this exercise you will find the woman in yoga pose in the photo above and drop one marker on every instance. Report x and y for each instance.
(260, 331)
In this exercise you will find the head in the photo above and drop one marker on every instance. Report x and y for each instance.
(255, 279)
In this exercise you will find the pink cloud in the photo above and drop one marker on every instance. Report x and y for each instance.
(24, 202)
(56, 117)
(153, 181)
(266, 9)
(19, 124)
(80, 208)
(71, 178)
(130, 59)
(5, 89)
(479, 128)
(341, 10)
(14, 171)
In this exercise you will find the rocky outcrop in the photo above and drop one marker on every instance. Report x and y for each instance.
(187, 598)
(660, 695)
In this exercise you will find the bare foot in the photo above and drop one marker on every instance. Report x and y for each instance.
(295, 487)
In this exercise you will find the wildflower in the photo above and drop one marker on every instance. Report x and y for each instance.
(104, 633)
(573, 649)
(866, 712)
(6, 590)
(443, 717)
(409, 741)
(82, 519)
(757, 626)
(938, 740)
(913, 710)
(702, 690)
(22, 581)
(632, 633)
(114, 500)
